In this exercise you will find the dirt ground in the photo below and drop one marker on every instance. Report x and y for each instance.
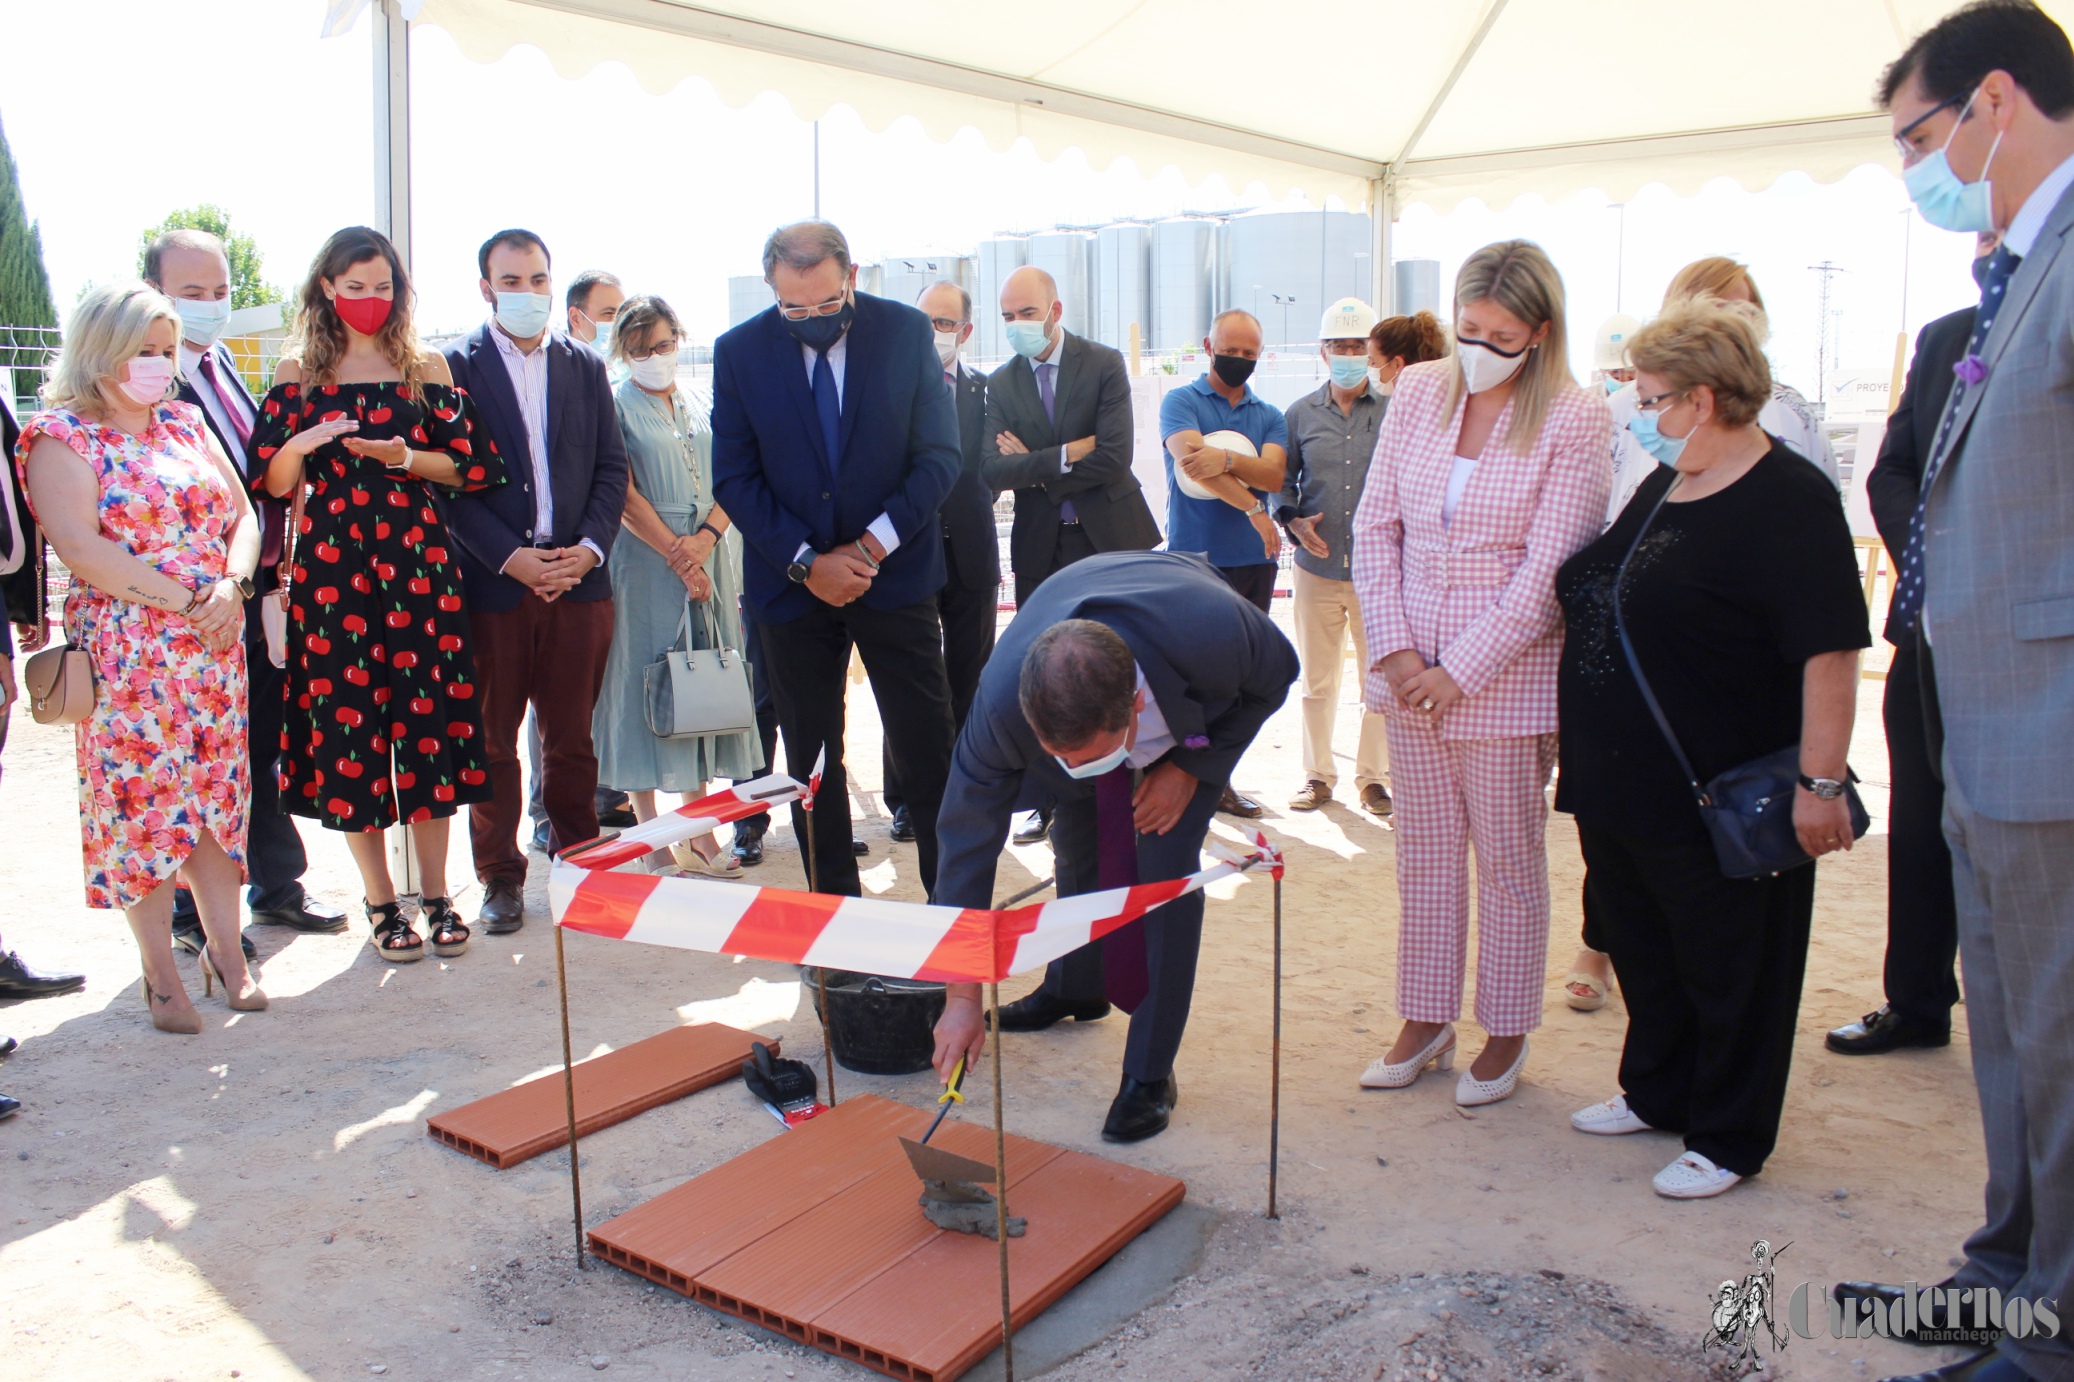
(262, 1201)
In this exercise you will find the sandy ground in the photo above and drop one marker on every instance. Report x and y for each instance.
(262, 1201)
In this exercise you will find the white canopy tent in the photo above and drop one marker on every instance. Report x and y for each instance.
(1377, 104)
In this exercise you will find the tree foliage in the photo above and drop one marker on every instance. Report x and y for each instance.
(247, 287)
(24, 284)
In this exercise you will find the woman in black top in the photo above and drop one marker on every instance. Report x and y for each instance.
(1743, 606)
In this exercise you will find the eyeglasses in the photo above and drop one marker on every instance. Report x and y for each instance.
(940, 323)
(1655, 399)
(1909, 153)
(819, 309)
(667, 348)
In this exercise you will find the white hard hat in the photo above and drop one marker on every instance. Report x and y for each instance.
(1235, 442)
(1346, 320)
(1610, 347)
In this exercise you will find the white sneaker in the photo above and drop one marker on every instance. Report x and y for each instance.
(1470, 1091)
(1693, 1177)
(1610, 1119)
(1440, 1051)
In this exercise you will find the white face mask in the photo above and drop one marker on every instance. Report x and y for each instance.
(202, 320)
(947, 347)
(1486, 367)
(657, 372)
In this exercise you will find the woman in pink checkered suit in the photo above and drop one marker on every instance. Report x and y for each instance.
(1489, 472)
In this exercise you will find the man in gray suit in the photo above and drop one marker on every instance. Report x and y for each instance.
(1127, 689)
(1983, 109)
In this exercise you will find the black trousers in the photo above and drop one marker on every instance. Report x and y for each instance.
(968, 618)
(1255, 582)
(1173, 933)
(274, 856)
(1072, 544)
(809, 660)
(753, 827)
(1711, 967)
(1922, 914)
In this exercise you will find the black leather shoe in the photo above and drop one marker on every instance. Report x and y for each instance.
(17, 980)
(540, 838)
(1947, 1322)
(1885, 1030)
(8, 1045)
(1034, 829)
(1986, 1366)
(190, 939)
(1232, 804)
(858, 847)
(619, 814)
(748, 847)
(9, 1107)
(311, 917)
(903, 827)
(1141, 1110)
(503, 906)
(1036, 1011)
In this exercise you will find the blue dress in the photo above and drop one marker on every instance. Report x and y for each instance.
(670, 451)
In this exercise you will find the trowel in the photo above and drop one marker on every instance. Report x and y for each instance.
(951, 1194)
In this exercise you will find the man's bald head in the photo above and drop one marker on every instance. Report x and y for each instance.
(1236, 332)
(1029, 294)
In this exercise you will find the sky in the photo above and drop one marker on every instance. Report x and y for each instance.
(675, 193)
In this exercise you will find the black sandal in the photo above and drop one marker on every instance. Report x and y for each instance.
(394, 939)
(449, 937)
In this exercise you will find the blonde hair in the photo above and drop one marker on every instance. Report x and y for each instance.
(1714, 277)
(1518, 276)
(1700, 341)
(107, 327)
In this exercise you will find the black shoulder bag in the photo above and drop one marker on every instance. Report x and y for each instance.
(1748, 810)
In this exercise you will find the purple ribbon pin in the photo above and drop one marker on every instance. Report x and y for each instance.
(1971, 370)
(1195, 741)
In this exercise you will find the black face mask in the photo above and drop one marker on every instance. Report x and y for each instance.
(819, 333)
(1980, 270)
(1234, 370)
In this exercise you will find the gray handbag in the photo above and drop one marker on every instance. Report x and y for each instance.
(690, 692)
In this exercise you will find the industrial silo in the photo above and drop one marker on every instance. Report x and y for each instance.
(1285, 267)
(1184, 254)
(1123, 284)
(998, 258)
(1065, 256)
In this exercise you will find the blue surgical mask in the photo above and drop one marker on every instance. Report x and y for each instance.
(1613, 386)
(603, 343)
(524, 315)
(202, 320)
(1946, 202)
(1348, 371)
(1665, 449)
(1027, 339)
(1108, 762)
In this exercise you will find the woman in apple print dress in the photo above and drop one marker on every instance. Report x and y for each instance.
(384, 723)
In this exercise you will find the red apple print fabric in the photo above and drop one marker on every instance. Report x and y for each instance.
(162, 756)
(384, 713)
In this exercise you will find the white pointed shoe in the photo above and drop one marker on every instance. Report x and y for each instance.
(1440, 1051)
(1609, 1119)
(1693, 1177)
(1470, 1091)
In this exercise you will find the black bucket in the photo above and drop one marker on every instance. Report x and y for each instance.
(876, 1025)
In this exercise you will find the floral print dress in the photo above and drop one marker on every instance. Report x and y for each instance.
(162, 757)
(383, 720)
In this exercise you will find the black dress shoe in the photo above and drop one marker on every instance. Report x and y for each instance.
(1947, 1321)
(858, 847)
(616, 813)
(17, 980)
(9, 1107)
(540, 838)
(311, 917)
(748, 844)
(191, 939)
(1986, 1366)
(1036, 1011)
(1232, 804)
(1141, 1110)
(1034, 829)
(903, 827)
(1885, 1030)
(503, 906)
(8, 1045)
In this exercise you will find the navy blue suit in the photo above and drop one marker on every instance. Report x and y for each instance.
(1217, 668)
(897, 454)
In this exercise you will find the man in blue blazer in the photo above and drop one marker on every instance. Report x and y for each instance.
(834, 445)
(533, 557)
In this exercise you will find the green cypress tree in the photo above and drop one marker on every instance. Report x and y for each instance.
(24, 283)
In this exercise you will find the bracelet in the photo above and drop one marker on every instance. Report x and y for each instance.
(865, 552)
(1227, 461)
(707, 528)
(194, 600)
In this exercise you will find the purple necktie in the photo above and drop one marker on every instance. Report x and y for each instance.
(1046, 373)
(1124, 972)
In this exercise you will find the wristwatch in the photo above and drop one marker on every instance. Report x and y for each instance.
(245, 586)
(1259, 506)
(798, 572)
(1822, 788)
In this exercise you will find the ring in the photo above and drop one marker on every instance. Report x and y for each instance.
(1426, 704)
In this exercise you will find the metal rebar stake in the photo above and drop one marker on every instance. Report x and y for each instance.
(569, 1096)
(1001, 1195)
(1274, 1085)
(806, 845)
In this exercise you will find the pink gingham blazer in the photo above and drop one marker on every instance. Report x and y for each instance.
(1478, 595)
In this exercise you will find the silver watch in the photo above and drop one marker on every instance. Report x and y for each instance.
(1823, 788)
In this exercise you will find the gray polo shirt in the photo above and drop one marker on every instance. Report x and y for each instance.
(1329, 453)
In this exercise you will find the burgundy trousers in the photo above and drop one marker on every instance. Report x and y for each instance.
(552, 656)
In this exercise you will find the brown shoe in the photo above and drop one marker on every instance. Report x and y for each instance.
(1315, 794)
(503, 906)
(1375, 800)
(1232, 804)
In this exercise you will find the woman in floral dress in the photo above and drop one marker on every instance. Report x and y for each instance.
(152, 521)
(384, 723)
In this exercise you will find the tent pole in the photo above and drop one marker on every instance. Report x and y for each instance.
(1001, 1195)
(1274, 1087)
(1382, 209)
(392, 124)
(806, 844)
(569, 1096)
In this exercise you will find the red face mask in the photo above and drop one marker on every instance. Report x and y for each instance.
(365, 315)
